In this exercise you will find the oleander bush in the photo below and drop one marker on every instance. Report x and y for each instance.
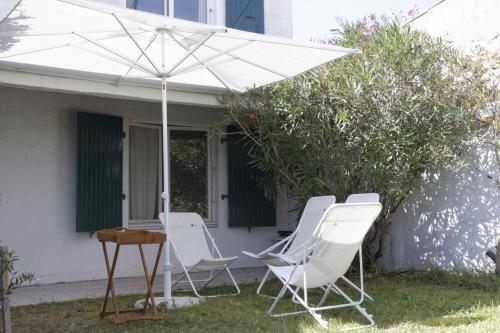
(376, 122)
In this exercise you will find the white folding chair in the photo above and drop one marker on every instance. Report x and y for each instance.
(327, 257)
(363, 198)
(188, 237)
(292, 246)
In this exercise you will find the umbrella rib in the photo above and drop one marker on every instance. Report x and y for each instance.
(118, 54)
(113, 59)
(215, 63)
(250, 62)
(217, 76)
(178, 63)
(137, 44)
(62, 45)
(153, 38)
(204, 60)
(317, 46)
(60, 33)
(35, 51)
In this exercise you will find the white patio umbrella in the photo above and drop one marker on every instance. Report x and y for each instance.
(89, 40)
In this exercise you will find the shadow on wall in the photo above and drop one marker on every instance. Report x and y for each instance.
(11, 25)
(450, 221)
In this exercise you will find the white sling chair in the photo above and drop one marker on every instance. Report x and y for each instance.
(188, 237)
(292, 246)
(363, 198)
(327, 258)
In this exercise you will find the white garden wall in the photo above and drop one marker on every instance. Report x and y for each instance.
(450, 220)
(453, 217)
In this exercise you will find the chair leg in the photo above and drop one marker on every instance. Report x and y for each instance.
(264, 279)
(294, 299)
(278, 298)
(356, 305)
(314, 310)
(354, 286)
(295, 294)
(213, 276)
(238, 291)
(325, 295)
(261, 285)
(179, 279)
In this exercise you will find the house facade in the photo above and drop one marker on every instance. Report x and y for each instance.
(453, 217)
(272, 17)
(50, 121)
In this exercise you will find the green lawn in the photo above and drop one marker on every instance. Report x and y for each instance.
(411, 302)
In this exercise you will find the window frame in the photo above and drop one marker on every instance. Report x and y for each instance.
(170, 11)
(212, 172)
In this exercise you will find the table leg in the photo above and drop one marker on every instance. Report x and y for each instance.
(149, 293)
(153, 276)
(110, 286)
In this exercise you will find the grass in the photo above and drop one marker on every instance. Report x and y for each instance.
(406, 302)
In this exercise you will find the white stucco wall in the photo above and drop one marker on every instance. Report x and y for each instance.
(467, 23)
(119, 3)
(453, 217)
(38, 185)
(278, 18)
(450, 219)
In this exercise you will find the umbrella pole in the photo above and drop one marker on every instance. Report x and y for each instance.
(167, 298)
(167, 275)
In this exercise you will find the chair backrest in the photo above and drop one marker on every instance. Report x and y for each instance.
(309, 221)
(187, 235)
(338, 238)
(363, 198)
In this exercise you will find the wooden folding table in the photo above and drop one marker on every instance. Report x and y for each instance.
(121, 237)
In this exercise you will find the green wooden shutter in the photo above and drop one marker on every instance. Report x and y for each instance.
(245, 15)
(248, 207)
(99, 172)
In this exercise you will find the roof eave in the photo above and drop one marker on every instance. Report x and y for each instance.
(70, 81)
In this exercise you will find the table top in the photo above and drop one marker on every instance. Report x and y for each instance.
(131, 236)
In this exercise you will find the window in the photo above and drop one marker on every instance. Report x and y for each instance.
(192, 10)
(151, 6)
(190, 179)
(189, 172)
(144, 172)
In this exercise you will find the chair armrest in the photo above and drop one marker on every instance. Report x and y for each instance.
(281, 242)
(303, 252)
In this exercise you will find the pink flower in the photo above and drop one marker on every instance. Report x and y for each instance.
(253, 116)
(368, 28)
(411, 12)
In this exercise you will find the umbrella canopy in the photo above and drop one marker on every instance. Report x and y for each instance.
(90, 40)
(89, 37)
